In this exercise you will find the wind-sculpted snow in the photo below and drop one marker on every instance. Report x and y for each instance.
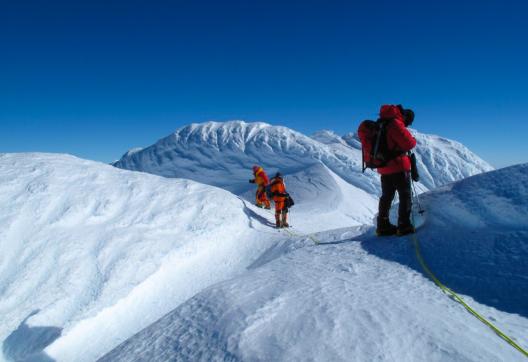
(441, 160)
(222, 154)
(91, 254)
(477, 237)
(358, 297)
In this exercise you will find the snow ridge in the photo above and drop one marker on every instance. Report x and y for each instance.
(359, 297)
(91, 253)
(221, 154)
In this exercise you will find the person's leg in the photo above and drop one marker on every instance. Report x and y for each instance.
(279, 205)
(403, 184)
(257, 198)
(267, 204)
(285, 217)
(278, 219)
(262, 199)
(388, 190)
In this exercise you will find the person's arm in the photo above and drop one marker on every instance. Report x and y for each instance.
(402, 137)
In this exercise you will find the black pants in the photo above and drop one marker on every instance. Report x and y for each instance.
(400, 182)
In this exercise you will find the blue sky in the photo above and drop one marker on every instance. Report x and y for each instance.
(95, 78)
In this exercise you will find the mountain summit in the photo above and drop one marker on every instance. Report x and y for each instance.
(222, 153)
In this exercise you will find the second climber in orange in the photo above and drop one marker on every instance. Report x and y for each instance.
(281, 199)
(262, 181)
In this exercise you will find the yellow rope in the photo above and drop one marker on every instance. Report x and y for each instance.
(311, 237)
(444, 288)
(459, 299)
(291, 233)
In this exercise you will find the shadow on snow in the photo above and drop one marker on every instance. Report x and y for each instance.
(489, 266)
(28, 343)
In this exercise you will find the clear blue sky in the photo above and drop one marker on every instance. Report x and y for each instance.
(95, 78)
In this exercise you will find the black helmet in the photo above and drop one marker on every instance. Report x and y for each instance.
(278, 174)
(408, 116)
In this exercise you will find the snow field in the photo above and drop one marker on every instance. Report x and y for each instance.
(101, 253)
(335, 301)
(93, 255)
(359, 297)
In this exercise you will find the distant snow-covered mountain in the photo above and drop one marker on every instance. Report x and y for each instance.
(222, 154)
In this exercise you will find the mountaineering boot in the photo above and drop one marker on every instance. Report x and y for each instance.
(405, 229)
(278, 223)
(259, 205)
(285, 220)
(267, 204)
(385, 228)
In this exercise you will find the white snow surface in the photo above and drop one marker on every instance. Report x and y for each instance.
(222, 153)
(322, 172)
(324, 201)
(358, 297)
(91, 254)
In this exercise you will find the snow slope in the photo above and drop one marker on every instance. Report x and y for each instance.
(358, 297)
(479, 237)
(324, 201)
(91, 254)
(222, 154)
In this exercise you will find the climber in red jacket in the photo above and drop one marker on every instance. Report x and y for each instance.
(395, 176)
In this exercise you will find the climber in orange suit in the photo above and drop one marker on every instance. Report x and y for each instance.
(262, 181)
(278, 190)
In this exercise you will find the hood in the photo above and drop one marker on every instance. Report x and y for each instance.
(390, 111)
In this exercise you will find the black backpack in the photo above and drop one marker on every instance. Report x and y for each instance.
(289, 201)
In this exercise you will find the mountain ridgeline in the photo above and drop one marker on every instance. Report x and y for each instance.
(221, 154)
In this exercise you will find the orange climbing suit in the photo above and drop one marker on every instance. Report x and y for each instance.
(278, 190)
(261, 180)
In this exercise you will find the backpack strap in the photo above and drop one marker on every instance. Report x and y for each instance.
(391, 154)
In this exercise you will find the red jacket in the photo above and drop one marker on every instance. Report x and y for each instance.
(398, 138)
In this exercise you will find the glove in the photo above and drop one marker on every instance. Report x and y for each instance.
(252, 181)
(414, 169)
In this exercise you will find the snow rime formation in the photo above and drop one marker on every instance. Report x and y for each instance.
(175, 262)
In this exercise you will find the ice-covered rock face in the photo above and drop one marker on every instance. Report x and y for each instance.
(328, 137)
(222, 154)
